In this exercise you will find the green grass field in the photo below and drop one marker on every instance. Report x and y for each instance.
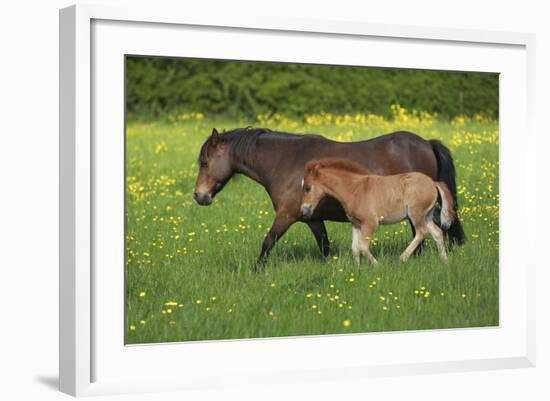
(189, 267)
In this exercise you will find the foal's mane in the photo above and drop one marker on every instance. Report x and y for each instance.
(336, 164)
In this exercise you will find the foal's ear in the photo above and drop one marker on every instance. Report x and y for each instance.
(315, 169)
(312, 169)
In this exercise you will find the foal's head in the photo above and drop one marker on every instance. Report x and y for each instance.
(214, 168)
(318, 174)
(312, 190)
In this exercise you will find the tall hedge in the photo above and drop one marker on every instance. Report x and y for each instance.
(157, 87)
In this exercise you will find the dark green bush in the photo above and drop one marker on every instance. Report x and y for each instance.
(156, 87)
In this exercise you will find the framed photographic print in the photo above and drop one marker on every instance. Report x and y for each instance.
(237, 195)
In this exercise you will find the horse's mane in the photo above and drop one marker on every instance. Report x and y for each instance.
(337, 164)
(243, 141)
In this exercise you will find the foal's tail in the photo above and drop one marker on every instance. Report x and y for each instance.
(447, 204)
(446, 172)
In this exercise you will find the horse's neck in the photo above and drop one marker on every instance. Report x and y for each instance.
(258, 167)
(252, 169)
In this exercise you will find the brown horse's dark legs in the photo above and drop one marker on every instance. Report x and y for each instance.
(278, 229)
(320, 232)
(456, 233)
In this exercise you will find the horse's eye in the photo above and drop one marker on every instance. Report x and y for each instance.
(204, 164)
(307, 188)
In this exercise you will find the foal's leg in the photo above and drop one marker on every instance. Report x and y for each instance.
(420, 247)
(280, 226)
(364, 240)
(437, 235)
(421, 232)
(355, 243)
(320, 232)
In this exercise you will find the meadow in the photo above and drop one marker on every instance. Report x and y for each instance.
(188, 267)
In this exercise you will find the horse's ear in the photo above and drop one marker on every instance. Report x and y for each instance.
(214, 137)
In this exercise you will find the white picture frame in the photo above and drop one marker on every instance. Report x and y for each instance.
(80, 343)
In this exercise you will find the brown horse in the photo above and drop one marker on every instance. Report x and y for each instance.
(276, 160)
(371, 200)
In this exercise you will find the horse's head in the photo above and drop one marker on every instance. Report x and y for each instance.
(312, 190)
(214, 168)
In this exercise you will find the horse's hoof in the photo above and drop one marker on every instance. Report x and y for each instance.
(258, 266)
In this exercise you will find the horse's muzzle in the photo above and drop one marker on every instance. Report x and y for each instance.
(203, 198)
(307, 210)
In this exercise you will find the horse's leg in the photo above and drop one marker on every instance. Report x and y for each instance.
(278, 228)
(320, 232)
(437, 235)
(456, 233)
(421, 232)
(364, 240)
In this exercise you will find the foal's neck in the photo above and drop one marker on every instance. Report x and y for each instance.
(341, 186)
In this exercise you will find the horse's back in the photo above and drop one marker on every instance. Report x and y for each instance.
(393, 153)
(399, 136)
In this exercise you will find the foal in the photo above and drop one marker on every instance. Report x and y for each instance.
(370, 200)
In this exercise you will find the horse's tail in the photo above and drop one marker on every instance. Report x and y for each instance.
(447, 205)
(446, 173)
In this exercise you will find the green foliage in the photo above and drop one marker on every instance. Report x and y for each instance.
(156, 87)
